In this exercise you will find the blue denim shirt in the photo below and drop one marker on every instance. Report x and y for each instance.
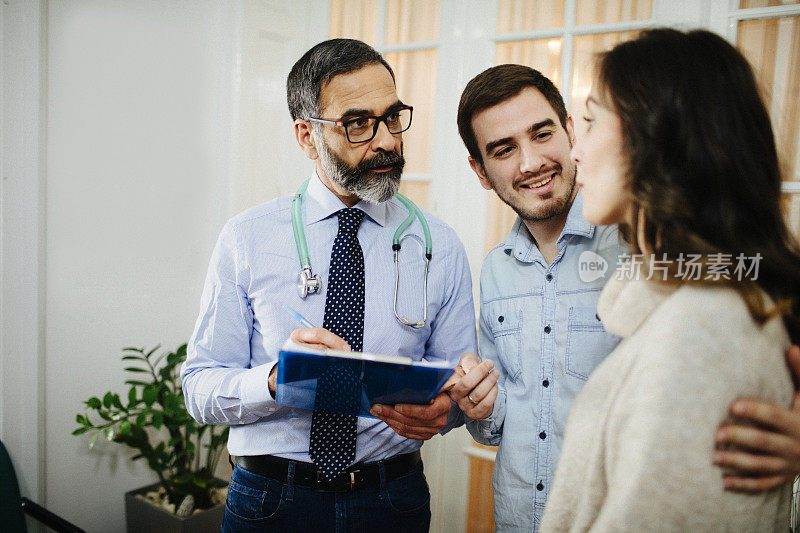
(539, 325)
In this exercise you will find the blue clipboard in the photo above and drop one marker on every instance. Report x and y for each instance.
(382, 379)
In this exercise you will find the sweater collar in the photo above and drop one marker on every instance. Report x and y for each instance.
(625, 303)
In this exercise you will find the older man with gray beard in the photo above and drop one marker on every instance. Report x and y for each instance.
(303, 470)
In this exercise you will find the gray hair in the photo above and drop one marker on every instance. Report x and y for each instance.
(319, 65)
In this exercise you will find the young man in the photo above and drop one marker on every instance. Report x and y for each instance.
(298, 470)
(539, 290)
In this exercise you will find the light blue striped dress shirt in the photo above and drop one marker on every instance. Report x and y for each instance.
(242, 325)
(539, 324)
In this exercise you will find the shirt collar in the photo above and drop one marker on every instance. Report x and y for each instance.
(520, 242)
(320, 203)
(576, 224)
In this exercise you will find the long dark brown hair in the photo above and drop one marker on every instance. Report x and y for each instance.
(703, 167)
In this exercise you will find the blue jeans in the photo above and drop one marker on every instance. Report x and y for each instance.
(258, 503)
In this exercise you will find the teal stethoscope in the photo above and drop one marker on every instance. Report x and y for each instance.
(309, 283)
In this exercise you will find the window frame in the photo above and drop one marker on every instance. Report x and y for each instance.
(735, 15)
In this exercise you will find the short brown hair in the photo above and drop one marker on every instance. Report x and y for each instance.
(496, 85)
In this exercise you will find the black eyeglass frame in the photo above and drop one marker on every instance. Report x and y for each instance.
(383, 118)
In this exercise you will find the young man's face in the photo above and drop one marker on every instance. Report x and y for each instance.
(369, 170)
(526, 158)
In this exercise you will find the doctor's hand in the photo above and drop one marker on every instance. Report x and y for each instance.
(476, 389)
(412, 421)
(319, 339)
(766, 452)
(316, 338)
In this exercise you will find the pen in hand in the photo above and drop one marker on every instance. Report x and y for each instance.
(297, 316)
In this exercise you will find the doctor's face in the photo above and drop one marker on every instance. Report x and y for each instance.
(369, 170)
(525, 154)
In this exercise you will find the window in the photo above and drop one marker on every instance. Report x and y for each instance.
(406, 33)
(759, 28)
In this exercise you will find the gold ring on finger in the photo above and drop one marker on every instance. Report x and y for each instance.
(474, 402)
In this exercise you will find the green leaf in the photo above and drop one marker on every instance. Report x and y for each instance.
(173, 402)
(158, 360)
(80, 419)
(182, 478)
(141, 419)
(93, 403)
(157, 420)
(134, 369)
(107, 400)
(132, 397)
(93, 439)
(200, 482)
(136, 383)
(125, 427)
(81, 431)
(133, 349)
(108, 433)
(151, 352)
(115, 400)
(150, 395)
(132, 358)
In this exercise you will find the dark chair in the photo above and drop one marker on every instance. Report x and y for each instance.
(13, 507)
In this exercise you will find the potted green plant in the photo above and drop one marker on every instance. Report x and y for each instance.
(183, 453)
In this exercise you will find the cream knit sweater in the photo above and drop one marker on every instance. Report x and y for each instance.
(639, 439)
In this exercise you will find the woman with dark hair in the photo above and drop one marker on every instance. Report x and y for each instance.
(679, 151)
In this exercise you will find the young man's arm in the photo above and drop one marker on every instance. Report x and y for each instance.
(768, 453)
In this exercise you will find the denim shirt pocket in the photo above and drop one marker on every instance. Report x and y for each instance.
(506, 326)
(588, 343)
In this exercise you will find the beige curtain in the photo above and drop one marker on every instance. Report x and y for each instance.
(354, 19)
(406, 22)
(779, 74)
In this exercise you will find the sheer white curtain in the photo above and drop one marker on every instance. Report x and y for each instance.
(406, 31)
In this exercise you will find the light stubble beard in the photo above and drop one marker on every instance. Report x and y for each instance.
(360, 180)
(546, 212)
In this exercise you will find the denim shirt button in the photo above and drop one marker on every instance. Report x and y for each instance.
(549, 277)
(547, 329)
(539, 486)
(545, 383)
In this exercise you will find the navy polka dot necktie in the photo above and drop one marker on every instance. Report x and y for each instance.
(333, 434)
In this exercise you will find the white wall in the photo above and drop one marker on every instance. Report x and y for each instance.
(139, 140)
(128, 138)
(21, 250)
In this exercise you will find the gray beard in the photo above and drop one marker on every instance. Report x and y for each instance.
(359, 179)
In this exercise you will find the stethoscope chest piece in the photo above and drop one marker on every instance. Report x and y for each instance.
(308, 283)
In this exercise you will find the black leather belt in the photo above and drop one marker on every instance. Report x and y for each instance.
(356, 477)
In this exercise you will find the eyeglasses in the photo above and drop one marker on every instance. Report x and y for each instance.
(363, 129)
